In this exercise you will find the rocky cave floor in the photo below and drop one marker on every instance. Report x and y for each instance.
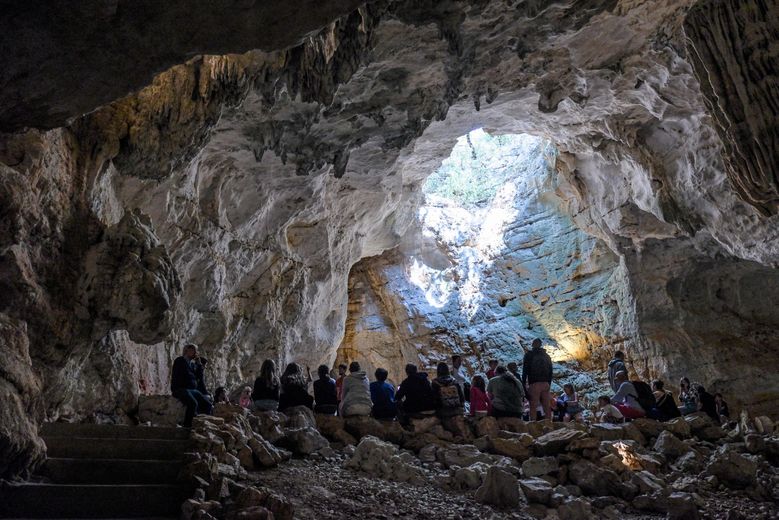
(301, 465)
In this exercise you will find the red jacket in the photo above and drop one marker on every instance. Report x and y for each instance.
(480, 401)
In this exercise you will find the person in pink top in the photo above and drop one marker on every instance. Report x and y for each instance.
(480, 401)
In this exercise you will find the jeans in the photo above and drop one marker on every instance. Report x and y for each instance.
(195, 402)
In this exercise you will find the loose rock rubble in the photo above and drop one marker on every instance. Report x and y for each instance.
(680, 469)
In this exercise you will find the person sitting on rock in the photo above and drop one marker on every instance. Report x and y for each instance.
(325, 393)
(513, 369)
(415, 395)
(220, 396)
(267, 387)
(626, 398)
(706, 403)
(294, 388)
(607, 412)
(339, 382)
(617, 364)
(506, 394)
(665, 405)
(383, 396)
(245, 399)
(183, 385)
(722, 408)
(480, 401)
(493, 364)
(688, 400)
(537, 378)
(356, 392)
(448, 394)
(568, 407)
(460, 377)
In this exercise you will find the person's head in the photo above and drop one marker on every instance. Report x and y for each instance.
(699, 388)
(268, 373)
(293, 369)
(512, 367)
(493, 363)
(246, 392)
(220, 395)
(190, 351)
(568, 389)
(203, 361)
(536, 343)
(499, 370)
(603, 401)
(478, 382)
(381, 374)
(684, 383)
(619, 355)
(620, 377)
(457, 361)
(342, 369)
(718, 398)
(657, 385)
(323, 371)
(411, 370)
(442, 370)
(354, 366)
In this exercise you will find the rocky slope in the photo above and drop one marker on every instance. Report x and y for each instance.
(226, 202)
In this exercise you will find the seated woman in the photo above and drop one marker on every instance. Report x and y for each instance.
(325, 393)
(665, 405)
(220, 396)
(267, 387)
(626, 398)
(568, 404)
(480, 401)
(294, 388)
(506, 394)
(722, 408)
(245, 399)
(356, 396)
(383, 396)
(688, 400)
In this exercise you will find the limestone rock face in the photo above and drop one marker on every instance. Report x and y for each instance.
(226, 202)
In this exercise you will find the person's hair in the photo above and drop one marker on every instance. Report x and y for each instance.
(718, 395)
(684, 381)
(492, 362)
(500, 369)
(293, 375)
(657, 384)
(568, 386)
(381, 374)
(537, 343)
(604, 399)
(343, 365)
(220, 394)
(699, 388)
(442, 370)
(190, 346)
(354, 366)
(619, 354)
(323, 372)
(512, 366)
(455, 357)
(478, 382)
(411, 369)
(269, 374)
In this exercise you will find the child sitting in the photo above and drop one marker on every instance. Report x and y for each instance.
(608, 413)
(246, 397)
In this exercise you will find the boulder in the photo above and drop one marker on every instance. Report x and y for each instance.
(536, 490)
(329, 425)
(732, 469)
(300, 417)
(302, 441)
(487, 426)
(711, 433)
(160, 410)
(670, 446)
(681, 506)
(698, 421)
(462, 455)
(754, 443)
(513, 424)
(469, 478)
(764, 425)
(679, 427)
(556, 441)
(648, 427)
(575, 509)
(646, 482)
(428, 453)
(384, 460)
(537, 466)
(690, 462)
(425, 424)
(360, 426)
(517, 448)
(616, 432)
(499, 489)
(595, 480)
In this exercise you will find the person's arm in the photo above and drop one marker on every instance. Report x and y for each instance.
(460, 394)
(400, 394)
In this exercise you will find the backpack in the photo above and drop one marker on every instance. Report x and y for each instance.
(645, 396)
(540, 365)
(450, 397)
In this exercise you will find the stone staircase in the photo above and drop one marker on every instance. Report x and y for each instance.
(103, 471)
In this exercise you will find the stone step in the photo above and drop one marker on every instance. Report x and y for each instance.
(107, 448)
(111, 471)
(112, 431)
(33, 500)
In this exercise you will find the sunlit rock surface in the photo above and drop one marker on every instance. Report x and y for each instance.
(254, 182)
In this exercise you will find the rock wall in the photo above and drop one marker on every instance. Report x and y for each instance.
(226, 202)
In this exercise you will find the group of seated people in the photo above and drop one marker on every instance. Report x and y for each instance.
(502, 393)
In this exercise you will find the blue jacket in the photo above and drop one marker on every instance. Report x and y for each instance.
(383, 397)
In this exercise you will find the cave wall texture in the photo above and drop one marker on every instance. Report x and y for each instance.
(226, 201)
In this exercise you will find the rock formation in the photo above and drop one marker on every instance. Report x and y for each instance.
(227, 200)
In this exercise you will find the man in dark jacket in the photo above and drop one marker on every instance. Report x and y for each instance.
(184, 384)
(537, 378)
(325, 394)
(415, 394)
(616, 365)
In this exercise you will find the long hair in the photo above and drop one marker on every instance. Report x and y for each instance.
(269, 374)
(293, 375)
(478, 382)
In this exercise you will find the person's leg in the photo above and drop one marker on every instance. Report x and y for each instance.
(535, 395)
(189, 402)
(546, 400)
(203, 403)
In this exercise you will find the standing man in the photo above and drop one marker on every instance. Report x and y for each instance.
(616, 365)
(460, 377)
(184, 384)
(537, 378)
